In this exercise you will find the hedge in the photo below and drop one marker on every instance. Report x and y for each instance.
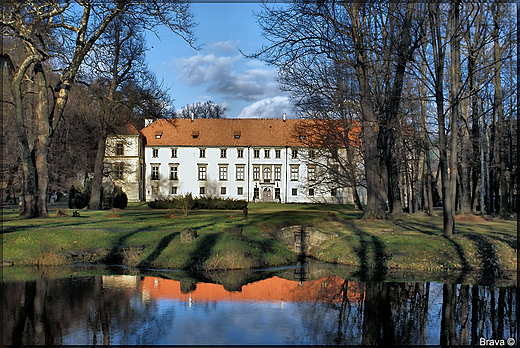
(200, 203)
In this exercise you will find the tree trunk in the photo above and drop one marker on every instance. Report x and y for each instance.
(438, 53)
(29, 206)
(43, 141)
(376, 174)
(97, 183)
(465, 158)
(449, 200)
(503, 174)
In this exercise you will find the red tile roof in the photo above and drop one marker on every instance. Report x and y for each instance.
(129, 129)
(222, 132)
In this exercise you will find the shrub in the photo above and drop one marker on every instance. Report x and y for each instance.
(199, 203)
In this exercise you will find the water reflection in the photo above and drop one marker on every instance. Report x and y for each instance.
(281, 309)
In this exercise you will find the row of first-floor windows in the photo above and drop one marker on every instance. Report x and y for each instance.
(256, 191)
(266, 172)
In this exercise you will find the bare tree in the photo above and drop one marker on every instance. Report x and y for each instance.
(312, 34)
(45, 29)
(207, 109)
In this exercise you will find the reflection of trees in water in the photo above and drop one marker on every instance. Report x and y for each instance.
(344, 312)
(45, 311)
(402, 314)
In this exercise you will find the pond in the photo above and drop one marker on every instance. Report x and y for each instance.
(298, 305)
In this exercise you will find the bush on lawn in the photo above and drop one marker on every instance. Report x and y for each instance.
(200, 203)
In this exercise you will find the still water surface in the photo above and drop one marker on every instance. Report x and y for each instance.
(272, 307)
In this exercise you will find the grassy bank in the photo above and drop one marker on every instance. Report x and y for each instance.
(403, 242)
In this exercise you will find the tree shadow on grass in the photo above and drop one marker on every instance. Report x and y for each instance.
(466, 267)
(202, 251)
(366, 242)
(163, 244)
(491, 270)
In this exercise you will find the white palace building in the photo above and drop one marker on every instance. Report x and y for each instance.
(258, 160)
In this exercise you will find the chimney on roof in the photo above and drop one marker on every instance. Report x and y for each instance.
(284, 116)
(148, 122)
(192, 116)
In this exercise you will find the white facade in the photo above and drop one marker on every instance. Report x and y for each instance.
(124, 164)
(251, 176)
(162, 162)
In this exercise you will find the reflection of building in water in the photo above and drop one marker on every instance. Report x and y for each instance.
(119, 281)
(325, 289)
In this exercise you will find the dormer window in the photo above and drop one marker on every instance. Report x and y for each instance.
(237, 134)
(195, 134)
(302, 137)
(158, 134)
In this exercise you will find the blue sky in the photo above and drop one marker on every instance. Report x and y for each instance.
(218, 71)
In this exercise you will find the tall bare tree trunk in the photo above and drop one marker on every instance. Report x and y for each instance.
(97, 183)
(449, 218)
(465, 158)
(376, 174)
(503, 174)
(28, 207)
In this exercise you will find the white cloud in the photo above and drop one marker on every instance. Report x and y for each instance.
(226, 47)
(269, 108)
(219, 76)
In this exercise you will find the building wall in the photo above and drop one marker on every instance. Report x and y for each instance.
(133, 174)
(188, 161)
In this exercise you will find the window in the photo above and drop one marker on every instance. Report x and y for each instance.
(311, 173)
(222, 172)
(240, 153)
(240, 172)
(222, 190)
(202, 191)
(277, 193)
(302, 137)
(174, 190)
(312, 153)
(119, 149)
(155, 153)
(294, 191)
(278, 153)
(118, 170)
(195, 134)
(277, 173)
(237, 134)
(173, 173)
(202, 172)
(294, 153)
(294, 173)
(256, 173)
(223, 153)
(267, 174)
(155, 190)
(256, 153)
(311, 192)
(267, 153)
(240, 191)
(256, 192)
(174, 153)
(202, 153)
(155, 172)
(334, 173)
(334, 192)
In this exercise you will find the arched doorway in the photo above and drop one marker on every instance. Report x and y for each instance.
(267, 195)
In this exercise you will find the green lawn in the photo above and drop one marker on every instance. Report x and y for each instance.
(402, 242)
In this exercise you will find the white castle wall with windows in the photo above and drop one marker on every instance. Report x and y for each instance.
(253, 159)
